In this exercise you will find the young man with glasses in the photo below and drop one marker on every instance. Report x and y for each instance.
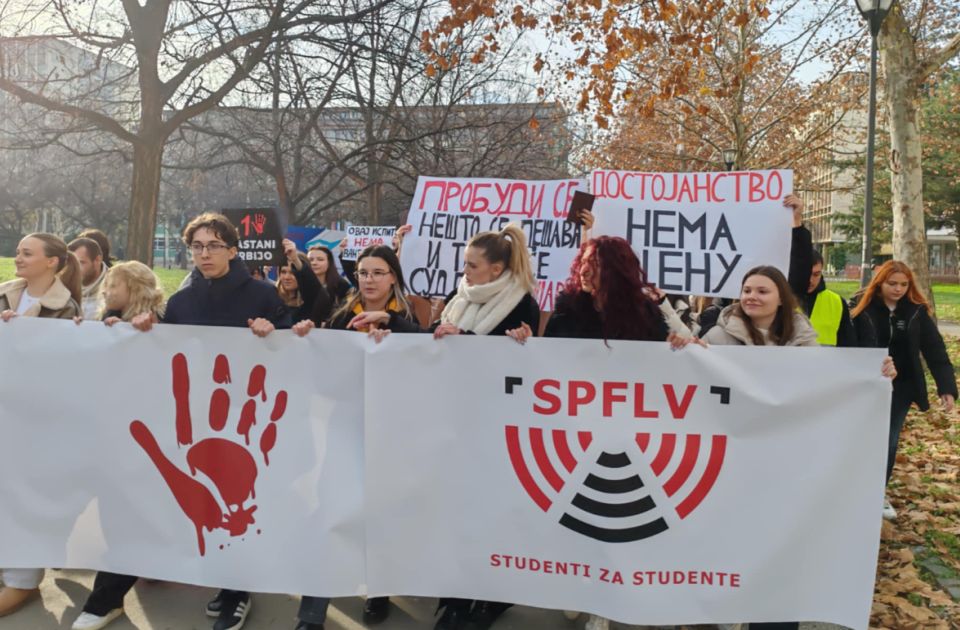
(221, 293)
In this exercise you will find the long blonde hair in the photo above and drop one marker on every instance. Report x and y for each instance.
(68, 267)
(509, 248)
(142, 285)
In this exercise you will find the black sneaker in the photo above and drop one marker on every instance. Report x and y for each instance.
(234, 612)
(214, 605)
(485, 613)
(375, 610)
(455, 615)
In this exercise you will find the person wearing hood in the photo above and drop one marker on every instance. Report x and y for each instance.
(93, 270)
(892, 313)
(828, 312)
(48, 286)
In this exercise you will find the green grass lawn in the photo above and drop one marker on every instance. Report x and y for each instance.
(169, 278)
(946, 296)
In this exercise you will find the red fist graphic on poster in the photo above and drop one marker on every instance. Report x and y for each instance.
(228, 464)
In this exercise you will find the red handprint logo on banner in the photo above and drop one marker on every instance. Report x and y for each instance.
(259, 223)
(228, 464)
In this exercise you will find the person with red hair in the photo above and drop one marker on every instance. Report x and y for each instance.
(607, 296)
(892, 313)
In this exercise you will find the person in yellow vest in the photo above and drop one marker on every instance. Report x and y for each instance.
(828, 312)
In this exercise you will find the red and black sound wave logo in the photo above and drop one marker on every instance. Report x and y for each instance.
(613, 501)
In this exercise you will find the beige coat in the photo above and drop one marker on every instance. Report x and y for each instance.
(56, 303)
(731, 331)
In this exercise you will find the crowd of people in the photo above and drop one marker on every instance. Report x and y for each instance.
(606, 297)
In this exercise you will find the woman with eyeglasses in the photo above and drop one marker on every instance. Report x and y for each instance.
(377, 307)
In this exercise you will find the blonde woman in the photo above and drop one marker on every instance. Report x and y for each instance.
(48, 285)
(131, 288)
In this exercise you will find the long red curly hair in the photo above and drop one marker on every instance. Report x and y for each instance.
(622, 293)
(886, 270)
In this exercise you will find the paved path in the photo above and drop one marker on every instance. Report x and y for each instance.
(166, 606)
(949, 328)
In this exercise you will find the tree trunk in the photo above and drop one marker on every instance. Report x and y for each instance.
(145, 193)
(373, 194)
(902, 95)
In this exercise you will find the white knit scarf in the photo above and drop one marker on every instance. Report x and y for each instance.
(481, 308)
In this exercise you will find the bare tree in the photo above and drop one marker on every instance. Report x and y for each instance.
(350, 127)
(183, 57)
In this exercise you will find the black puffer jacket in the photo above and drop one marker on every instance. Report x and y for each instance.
(227, 301)
(907, 332)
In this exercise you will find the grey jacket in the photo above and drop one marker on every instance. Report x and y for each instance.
(732, 331)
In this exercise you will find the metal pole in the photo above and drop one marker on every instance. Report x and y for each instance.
(866, 269)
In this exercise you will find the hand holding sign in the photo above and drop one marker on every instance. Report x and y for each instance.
(290, 250)
(793, 203)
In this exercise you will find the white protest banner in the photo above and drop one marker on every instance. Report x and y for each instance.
(726, 484)
(697, 233)
(649, 486)
(197, 455)
(446, 212)
(360, 237)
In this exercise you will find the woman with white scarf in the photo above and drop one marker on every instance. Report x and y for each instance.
(496, 292)
(495, 297)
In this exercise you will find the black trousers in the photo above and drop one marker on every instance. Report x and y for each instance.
(108, 592)
(899, 406)
(109, 589)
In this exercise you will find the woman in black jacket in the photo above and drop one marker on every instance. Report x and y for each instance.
(378, 307)
(496, 292)
(324, 269)
(297, 285)
(892, 313)
(495, 297)
(607, 296)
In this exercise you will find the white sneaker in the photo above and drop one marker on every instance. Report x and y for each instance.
(597, 623)
(889, 514)
(571, 614)
(87, 621)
